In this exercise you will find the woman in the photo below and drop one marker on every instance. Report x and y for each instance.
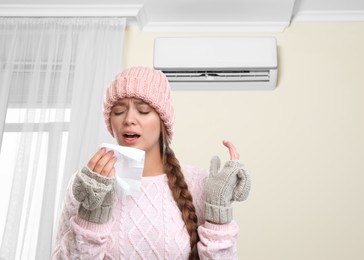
(181, 213)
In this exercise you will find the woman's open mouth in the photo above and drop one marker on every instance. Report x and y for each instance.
(130, 137)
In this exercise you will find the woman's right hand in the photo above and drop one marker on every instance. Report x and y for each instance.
(94, 187)
(103, 162)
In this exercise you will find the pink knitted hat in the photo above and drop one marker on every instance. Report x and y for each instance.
(144, 83)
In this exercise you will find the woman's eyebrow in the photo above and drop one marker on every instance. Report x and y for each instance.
(119, 103)
(140, 102)
(137, 102)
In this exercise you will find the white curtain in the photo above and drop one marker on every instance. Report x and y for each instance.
(53, 72)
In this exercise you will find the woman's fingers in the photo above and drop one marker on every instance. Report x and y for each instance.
(97, 156)
(234, 155)
(108, 169)
(103, 162)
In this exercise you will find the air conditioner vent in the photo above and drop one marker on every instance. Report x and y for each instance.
(218, 76)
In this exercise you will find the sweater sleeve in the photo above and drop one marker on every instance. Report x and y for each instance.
(78, 238)
(216, 241)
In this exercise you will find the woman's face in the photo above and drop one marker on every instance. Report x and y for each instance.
(136, 124)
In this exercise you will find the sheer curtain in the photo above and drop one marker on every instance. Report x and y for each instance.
(53, 72)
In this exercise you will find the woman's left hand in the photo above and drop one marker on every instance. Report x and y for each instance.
(231, 183)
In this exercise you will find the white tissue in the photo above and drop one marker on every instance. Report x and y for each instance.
(128, 168)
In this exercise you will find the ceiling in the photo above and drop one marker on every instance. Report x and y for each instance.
(196, 15)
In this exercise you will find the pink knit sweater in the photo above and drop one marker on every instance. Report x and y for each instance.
(145, 227)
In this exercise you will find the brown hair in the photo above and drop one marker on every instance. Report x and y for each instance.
(180, 192)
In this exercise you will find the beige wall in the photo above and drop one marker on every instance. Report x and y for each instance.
(303, 142)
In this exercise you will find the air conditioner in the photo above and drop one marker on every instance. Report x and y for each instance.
(218, 63)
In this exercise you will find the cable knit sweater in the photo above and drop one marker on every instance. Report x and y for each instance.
(148, 226)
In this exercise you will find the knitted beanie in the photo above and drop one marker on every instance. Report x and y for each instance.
(143, 83)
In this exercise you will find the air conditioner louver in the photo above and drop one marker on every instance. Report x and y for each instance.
(218, 76)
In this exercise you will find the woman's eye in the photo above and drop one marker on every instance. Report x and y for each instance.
(118, 113)
(144, 112)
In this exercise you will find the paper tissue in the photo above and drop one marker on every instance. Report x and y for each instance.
(128, 168)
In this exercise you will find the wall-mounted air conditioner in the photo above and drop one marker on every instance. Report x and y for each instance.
(218, 63)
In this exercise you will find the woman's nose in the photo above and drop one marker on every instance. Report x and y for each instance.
(130, 118)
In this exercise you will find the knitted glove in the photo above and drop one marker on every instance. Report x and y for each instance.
(232, 183)
(96, 195)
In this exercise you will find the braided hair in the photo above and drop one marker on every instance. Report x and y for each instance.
(180, 192)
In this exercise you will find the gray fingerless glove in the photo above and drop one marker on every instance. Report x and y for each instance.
(96, 195)
(232, 183)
